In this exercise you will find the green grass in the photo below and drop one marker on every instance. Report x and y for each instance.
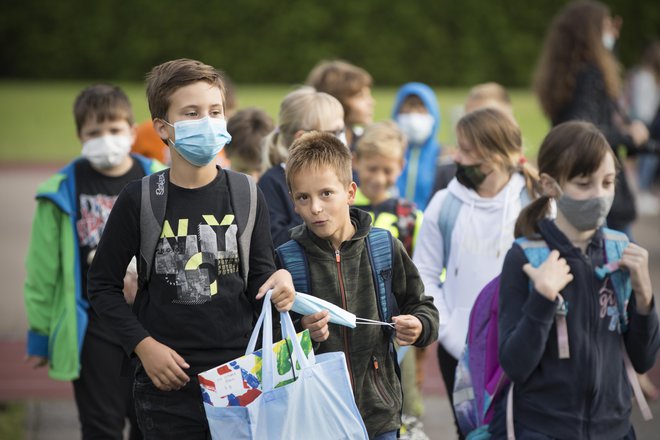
(12, 420)
(37, 122)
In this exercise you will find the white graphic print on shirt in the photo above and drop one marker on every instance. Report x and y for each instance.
(94, 212)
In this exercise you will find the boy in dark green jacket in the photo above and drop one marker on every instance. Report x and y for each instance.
(318, 174)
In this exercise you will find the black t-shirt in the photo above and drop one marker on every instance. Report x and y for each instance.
(95, 196)
(195, 302)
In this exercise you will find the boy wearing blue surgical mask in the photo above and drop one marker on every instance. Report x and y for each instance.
(334, 239)
(417, 113)
(72, 209)
(198, 296)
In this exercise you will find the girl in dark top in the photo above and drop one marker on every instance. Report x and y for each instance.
(577, 78)
(587, 394)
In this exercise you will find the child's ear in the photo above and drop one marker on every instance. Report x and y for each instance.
(162, 129)
(549, 186)
(352, 190)
(298, 133)
(133, 132)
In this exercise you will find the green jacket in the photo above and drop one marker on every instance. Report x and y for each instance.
(56, 309)
(371, 366)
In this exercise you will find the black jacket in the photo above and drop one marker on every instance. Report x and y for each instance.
(376, 386)
(587, 396)
(280, 206)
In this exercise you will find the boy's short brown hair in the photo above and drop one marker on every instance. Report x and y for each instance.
(248, 127)
(339, 79)
(103, 101)
(314, 150)
(382, 138)
(167, 78)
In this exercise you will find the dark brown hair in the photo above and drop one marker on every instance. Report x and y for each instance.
(104, 102)
(315, 150)
(573, 42)
(247, 128)
(167, 78)
(569, 150)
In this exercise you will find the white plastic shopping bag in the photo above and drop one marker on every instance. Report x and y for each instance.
(318, 405)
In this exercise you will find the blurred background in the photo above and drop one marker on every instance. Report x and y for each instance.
(50, 50)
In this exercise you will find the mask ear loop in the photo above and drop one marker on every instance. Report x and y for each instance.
(365, 321)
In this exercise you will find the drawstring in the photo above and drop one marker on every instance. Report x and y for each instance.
(365, 321)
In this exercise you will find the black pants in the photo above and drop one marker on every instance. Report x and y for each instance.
(169, 414)
(103, 396)
(448, 365)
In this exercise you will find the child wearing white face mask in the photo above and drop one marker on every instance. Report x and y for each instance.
(72, 209)
(418, 116)
(575, 386)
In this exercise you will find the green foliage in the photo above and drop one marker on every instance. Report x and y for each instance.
(441, 42)
(39, 115)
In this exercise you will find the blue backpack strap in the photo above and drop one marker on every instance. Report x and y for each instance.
(446, 221)
(292, 257)
(615, 243)
(525, 199)
(536, 251)
(379, 247)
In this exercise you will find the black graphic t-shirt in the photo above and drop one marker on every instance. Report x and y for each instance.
(95, 195)
(195, 302)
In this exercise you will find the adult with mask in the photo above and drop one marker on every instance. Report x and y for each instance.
(417, 114)
(577, 78)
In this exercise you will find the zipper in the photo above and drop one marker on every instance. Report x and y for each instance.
(380, 388)
(593, 330)
(344, 330)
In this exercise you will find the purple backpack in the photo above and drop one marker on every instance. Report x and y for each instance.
(479, 376)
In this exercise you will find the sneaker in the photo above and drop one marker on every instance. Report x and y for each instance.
(412, 428)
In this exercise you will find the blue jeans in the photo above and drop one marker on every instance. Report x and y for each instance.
(169, 414)
(647, 165)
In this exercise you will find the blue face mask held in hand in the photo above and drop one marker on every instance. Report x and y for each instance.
(199, 141)
(305, 304)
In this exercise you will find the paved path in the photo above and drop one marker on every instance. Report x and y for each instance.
(51, 412)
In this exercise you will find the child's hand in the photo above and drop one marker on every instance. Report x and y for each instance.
(636, 260)
(407, 328)
(283, 291)
(551, 276)
(36, 361)
(317, 324)
(162, 364)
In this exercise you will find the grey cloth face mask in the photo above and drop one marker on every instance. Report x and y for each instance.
(587, 214)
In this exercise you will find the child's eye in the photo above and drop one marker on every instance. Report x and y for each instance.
(191, 114)
(302, 197)
(327, 193)
(216, 113)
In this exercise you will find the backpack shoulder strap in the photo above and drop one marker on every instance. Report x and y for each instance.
(152, 213)
(292, 257)
(536, 251)
(446, 221)
(525, 199)
(380, 248)
(615, 243)
(243, 191)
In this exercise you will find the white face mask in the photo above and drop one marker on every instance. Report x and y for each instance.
(305, 304)
(609, 41)
(107, 151)
(416, 126)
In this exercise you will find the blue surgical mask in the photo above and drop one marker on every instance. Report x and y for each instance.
(305, 304)
(199, 141)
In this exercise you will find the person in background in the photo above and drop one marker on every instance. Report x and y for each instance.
(301, 111)
(577, 79)
(248, 127)
(417, 114)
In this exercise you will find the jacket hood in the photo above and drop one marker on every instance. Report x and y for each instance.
(428, 97)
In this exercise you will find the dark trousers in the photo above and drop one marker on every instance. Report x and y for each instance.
(448, 365)
(103, 396)
(169, 414)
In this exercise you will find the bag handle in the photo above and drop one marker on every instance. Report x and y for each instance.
(265, 321)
